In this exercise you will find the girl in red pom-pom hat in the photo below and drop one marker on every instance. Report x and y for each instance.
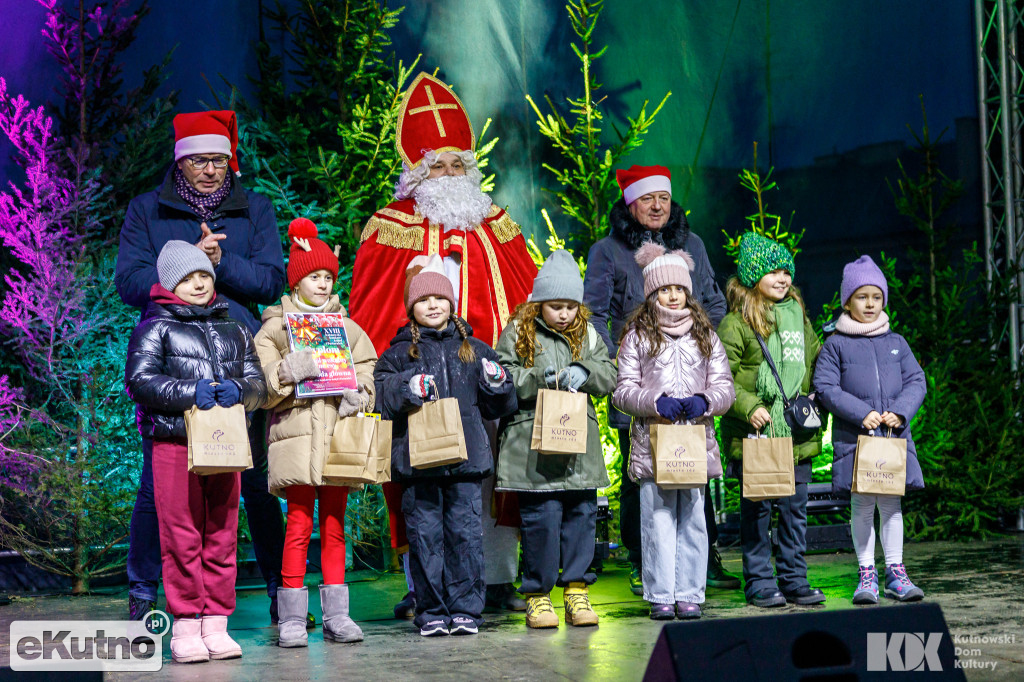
(300, 438)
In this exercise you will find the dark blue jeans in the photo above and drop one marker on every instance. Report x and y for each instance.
(558, 529)
(790, 565)
(262, 509)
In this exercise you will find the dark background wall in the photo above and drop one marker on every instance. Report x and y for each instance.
(845, 79)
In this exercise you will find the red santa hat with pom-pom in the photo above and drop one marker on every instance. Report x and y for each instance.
(662, 268)
(207, 132)
(307, 253)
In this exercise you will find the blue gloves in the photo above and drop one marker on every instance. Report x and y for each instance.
(668, 407)
(206, 394)
(572, 377)
(694, 406)
(227, 393)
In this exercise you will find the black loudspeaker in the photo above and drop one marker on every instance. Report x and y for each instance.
(852, 644)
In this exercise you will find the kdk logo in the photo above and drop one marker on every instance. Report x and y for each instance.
(904, 651)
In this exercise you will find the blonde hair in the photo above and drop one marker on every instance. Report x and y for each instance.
(466, 352)
(754, 307)
(645, 320)
(526, 315)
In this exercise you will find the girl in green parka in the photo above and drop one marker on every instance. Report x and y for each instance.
(762, 298)
(551, 344)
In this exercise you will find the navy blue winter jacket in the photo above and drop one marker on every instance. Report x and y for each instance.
(251, 269)
(858, 374)
(439, 355)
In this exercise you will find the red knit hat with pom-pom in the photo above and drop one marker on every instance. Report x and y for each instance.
(307, 254)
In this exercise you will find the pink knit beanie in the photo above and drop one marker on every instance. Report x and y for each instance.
(661, 268)
(424, 276)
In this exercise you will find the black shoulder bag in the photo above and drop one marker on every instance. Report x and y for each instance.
(802, 413)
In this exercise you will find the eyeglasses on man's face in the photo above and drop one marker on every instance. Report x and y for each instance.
(200, 162)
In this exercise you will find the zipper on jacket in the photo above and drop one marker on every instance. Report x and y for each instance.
(878, 376)
(218, 370)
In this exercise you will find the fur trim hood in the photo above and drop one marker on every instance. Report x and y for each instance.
(627, 230)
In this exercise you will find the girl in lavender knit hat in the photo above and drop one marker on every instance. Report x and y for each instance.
(868, 378)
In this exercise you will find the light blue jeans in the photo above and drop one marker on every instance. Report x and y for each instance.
(675, 544)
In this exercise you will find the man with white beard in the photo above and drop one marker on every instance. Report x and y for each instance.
(440, 208)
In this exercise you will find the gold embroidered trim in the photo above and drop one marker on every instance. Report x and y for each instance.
(455, 240)
(433, 239)
(392, 234)
(463, 294)
(401, 216)
(505, 229)
(498, 284)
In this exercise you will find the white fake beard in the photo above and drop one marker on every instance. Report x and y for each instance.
(454, 201)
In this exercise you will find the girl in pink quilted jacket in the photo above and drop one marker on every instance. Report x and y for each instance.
(672, 367)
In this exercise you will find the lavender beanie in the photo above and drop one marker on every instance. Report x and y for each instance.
(861, 273)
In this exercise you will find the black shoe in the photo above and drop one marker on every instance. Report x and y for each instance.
(717, 577)
(767, 598)
(504, 596)
(138, 607)
(805, 596)
(406, 609)
(636, 582)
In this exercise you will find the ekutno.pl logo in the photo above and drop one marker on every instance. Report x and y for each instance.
(84, 645)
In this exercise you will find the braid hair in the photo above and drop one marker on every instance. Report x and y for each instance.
(466, 352)
(414, 349)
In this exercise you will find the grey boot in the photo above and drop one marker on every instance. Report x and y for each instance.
(338, 626)
(292, 604)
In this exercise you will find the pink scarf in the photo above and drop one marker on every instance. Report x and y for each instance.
(673, 322)
(847, 325)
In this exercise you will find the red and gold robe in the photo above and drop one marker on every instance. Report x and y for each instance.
(496, 274)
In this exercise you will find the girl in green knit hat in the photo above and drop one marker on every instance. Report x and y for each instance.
(762, 299)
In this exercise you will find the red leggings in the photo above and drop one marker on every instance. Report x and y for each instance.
(301, 499)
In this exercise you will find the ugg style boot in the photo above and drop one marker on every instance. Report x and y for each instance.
(338, 626)
(292, 604)
(577, 605)
(187, 641)
(539, 612)
(217, 640)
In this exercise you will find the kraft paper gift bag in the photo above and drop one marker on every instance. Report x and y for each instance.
(560, 423)
(218, 440)
(679, 454)
(435, 434)
(880, 466)
(768, 471)
(358, 449)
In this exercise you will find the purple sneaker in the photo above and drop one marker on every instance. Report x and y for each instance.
(867, 590)
(662, 611)
(687, 610)
(898, 585)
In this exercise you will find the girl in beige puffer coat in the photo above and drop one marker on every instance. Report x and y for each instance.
(672, 367)
(300, 439)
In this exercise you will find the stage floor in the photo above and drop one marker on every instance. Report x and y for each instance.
(980, 587)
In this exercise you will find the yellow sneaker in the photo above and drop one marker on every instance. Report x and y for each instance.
(539, 612)
(577, 605)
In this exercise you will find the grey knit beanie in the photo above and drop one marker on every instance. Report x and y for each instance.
(178, 260)
(558, 280)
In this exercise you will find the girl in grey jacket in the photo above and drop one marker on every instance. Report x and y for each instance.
(672, 366)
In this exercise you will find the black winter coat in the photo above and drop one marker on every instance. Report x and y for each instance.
(614, 283)
(172, 348)
(251, 268)
(439, 355)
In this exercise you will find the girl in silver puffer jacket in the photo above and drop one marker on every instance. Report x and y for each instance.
(672, 367)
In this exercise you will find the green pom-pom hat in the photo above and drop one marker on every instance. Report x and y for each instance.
(759, 256)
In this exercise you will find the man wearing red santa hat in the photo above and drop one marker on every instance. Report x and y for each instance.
(440, 208)
(201, 203)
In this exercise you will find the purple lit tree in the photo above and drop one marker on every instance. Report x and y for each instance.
(68, 446)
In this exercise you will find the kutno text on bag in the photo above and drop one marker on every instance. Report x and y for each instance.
(435, 434)
(880, 466)
(360, 450)
(679, 455)
(218, 440)
(560, 423)
(768, 470)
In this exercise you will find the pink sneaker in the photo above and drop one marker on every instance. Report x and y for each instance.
(217, 640)
(187, 641)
